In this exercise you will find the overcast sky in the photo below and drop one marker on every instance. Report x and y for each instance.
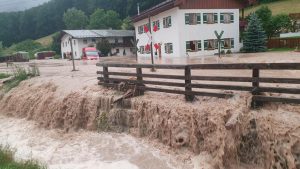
(19, 5)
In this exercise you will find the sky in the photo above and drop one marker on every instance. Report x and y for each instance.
(19, 5)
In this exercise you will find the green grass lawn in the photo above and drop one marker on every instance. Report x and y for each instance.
(279, 7)
(3, 75)
(281, 49)
(7, 161)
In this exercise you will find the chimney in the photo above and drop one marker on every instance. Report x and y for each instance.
(138, 8)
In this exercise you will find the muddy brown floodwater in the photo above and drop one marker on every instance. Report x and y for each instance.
(82, 149)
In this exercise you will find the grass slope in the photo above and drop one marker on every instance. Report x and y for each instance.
(7, 161)
(279, 7)
(46, 41)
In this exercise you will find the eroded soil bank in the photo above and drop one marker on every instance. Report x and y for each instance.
(225, 133)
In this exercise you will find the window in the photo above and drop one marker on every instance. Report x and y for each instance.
(117, 50)
(84, 41)
(210, 18)
(168, 48)
(156, 23)
(210, 44)
(116, 40)
(140, 29)
(228, 43)
(94, 40)
(192, 18)
(142, 49)
(74, 42)
(167, 22)
(227, 18)
(193, 46)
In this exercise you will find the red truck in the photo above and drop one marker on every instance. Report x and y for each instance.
(90, 53)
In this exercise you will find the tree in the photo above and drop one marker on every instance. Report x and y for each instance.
(97, 19)
(102, 19)
(55, 46)
(1, 49)
(104, 46)
(75, 19)
(278, 24)
(265, 15)
(127, 24)
(273, 25)
(254, 36)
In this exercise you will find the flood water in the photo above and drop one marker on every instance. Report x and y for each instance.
(82, 149)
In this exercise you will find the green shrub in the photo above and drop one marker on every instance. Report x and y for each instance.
(20, 74)
(228, 52)
(57, 57)
(4, 75)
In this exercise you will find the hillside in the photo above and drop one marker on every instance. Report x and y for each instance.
(45, 41)
(279, 7)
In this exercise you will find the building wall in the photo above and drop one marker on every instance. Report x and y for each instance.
(179, 32)
(79, 44)
(164, 35)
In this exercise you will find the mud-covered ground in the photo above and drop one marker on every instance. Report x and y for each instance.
(209, 133)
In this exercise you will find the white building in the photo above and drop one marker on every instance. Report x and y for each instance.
(186, 27)
(120, 40)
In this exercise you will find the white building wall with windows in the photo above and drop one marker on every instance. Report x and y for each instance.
(179, 33)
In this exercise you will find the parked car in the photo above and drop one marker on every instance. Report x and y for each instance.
(90, 53)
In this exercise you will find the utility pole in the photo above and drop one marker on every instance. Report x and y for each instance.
(151, 44)
(72, 55)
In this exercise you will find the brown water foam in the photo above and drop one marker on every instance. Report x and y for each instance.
(266, 138)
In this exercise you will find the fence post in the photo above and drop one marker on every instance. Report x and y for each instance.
(255, 85)
(139, 78)
(188, 83)
(105, 74)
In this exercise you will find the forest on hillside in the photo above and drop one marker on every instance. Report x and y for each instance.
(48, 18)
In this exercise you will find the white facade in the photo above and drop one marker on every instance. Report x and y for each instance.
(180, 33)
(120, 48)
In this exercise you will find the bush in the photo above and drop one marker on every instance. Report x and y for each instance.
(104, 46)
(57, 57)
(222, 52)
(228, 52)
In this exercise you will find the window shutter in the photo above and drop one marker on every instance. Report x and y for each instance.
(232, 43)
(199, 45)
(204, 18)
(170, 21)
(198, 18)
(187, 19)
(158, 24)
(166, 50)
(171, 48)
(188, 46)
(232, 18)
(222, 18)
(164, 22)
(215, 18)
(205, 45)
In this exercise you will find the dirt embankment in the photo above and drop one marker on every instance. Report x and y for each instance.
(228, 131)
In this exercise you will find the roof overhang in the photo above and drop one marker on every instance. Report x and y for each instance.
(169, 4)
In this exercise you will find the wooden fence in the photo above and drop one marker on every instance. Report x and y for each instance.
(112, 78)
(283, 43)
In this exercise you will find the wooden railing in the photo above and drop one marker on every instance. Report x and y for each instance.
(112, 78)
